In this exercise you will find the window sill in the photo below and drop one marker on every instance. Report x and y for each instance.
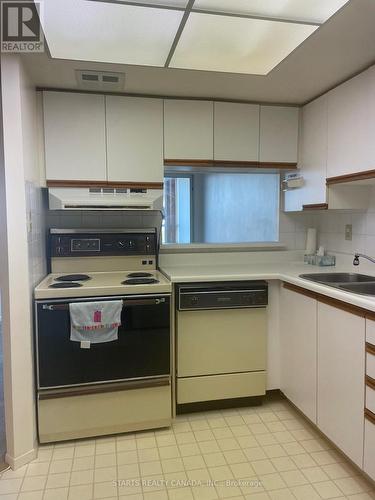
(221, 247)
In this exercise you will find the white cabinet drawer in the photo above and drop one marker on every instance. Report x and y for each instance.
(370, 399)
(370, 331)
(369, 455)
(214, 387)
(370, 363)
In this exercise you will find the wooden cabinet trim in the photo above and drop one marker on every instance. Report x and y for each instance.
(370, 315)
(315, 206)
(185, 162)
(344, 306)
(339, 304)
(104, 184)
(277, 165)
(355, 176)
(370, 348)
(370, 382)
(370, 416)
(300, 290)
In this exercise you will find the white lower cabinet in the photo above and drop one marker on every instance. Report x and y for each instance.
(298, 350)
(341, 368)
(369, 454)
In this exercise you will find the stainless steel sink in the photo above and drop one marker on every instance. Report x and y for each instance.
(349, 282)
(361, 288)
(328, 278)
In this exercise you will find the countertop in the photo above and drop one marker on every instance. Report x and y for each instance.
(284, 271)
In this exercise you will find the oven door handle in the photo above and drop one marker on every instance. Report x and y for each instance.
(139, 302)
(103, 388)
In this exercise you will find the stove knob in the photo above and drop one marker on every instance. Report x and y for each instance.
(59, 250)
(121, 244)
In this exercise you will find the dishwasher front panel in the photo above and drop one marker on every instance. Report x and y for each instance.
(221, 341)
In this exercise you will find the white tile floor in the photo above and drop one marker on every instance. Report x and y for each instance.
(261, 453)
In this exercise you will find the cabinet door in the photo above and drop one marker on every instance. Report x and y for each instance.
(341, 368)
(236, 131)
(369, 454)
(134, 139)
(312, 159)
(278, 134)
(298, 325)
(188, 130)
(74, 134)
(350, 138)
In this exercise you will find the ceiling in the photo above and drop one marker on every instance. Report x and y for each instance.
(341, 47)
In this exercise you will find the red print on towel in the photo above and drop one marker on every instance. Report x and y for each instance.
(97, 316)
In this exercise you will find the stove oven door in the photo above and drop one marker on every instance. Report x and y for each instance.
(141, 352)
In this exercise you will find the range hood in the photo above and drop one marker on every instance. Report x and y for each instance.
(105, 199)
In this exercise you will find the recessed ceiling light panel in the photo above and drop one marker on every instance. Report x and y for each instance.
(315, 11)
(236, 45)
(109, 32)
(164, 3)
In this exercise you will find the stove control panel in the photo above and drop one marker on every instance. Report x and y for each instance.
(78, 244)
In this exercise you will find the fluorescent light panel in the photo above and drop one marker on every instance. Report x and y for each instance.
(154, 3)
(119, 32)
(236, 45)
(109, 32)
(315, 11)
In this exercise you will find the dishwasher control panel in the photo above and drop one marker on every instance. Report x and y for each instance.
(228, 295)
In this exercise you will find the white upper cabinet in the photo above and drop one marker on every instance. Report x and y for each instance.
(351, 126)
(298, 334)
(188, 129)
(312, 157)
(341, 368)
(313, 151)
(134, 139)
(74, 135)
(236, 131)
(278, 134)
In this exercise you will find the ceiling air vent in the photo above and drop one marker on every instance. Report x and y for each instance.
(100, 80)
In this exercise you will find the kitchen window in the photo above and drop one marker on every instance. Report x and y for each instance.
(220, 207)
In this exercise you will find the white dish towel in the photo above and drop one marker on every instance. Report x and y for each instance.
(94, 322)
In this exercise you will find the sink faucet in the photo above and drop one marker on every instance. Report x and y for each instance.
(358, 255)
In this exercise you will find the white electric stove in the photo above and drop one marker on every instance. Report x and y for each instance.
(112, 386)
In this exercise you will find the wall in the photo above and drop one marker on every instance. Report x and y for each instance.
(293, 229)
(330, 225)
(22, 248)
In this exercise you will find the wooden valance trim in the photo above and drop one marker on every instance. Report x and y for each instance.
(178, 162)
(355, 176)
(315, 206)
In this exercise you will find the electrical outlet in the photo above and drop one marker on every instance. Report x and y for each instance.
(348, 232)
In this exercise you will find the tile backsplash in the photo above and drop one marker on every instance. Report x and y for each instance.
(292, 228)
(36, 230)
(331, 230)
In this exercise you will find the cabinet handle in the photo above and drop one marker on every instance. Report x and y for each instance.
(370, 348)
(370, 382)
(370, 416)
(104, 388)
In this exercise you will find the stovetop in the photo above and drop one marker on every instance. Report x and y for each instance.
(101, 284)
